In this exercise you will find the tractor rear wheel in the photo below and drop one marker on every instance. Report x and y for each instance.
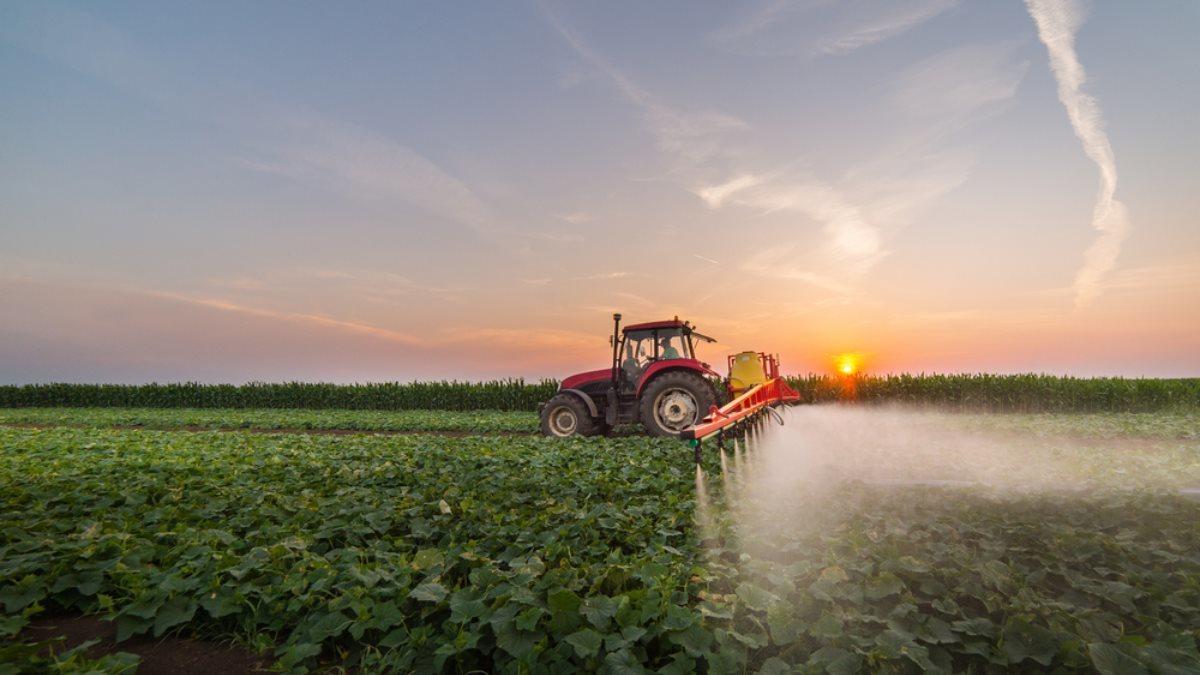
(565, 415)
(674, 401)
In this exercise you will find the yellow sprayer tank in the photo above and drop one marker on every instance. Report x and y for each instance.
(745, 371)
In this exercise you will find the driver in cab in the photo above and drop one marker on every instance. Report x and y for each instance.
(666, 351)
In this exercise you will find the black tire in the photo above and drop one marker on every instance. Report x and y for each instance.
(674, 401)
(565, 415)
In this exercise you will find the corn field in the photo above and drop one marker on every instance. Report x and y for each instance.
(1005, 393)
(514, 394)
(982, 392)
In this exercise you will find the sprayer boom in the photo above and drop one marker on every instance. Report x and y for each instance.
(755, 382)
(756, 400)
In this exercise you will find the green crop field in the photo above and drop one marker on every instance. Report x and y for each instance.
(1056, 541)
(475, 421)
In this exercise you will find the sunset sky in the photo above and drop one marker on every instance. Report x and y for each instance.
(276, 191)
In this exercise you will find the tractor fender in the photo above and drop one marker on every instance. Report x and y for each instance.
(674, 364)
(587, 400)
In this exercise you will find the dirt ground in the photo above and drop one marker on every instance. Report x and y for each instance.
(162, 656)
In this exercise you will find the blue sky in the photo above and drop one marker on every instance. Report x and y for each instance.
(234, 191)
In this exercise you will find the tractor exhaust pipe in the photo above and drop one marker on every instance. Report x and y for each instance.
(615, 343)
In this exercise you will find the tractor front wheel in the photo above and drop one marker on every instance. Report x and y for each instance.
(565, 415)
(674, 401)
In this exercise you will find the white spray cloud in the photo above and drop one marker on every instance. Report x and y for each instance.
(1057, 22)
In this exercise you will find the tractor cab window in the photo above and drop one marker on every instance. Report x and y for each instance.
(637, 353)
(642, 347)
(672, 345)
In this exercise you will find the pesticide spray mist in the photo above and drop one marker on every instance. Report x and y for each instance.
(783, 480)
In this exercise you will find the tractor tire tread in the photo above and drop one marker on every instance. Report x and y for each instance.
(699, 387)
(586, 425)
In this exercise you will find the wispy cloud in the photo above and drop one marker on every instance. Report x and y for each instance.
(893, 19)
(367, 166)
(528, 341)
(956, 83)
(1057, 23)
(601, 276)
(851, 238)
(714, 196)
(690, 137)
(576, 217)
(825, 27)
(1172, 277)
(779, 262)
(317, 319)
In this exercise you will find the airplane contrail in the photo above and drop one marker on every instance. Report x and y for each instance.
(1057, 22)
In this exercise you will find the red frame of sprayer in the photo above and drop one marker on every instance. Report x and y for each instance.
(773, 391)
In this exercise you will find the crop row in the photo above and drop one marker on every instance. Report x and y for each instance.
(1182, 423)
(472, 421)
(1019, 393)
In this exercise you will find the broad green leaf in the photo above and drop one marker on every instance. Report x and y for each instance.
(694, 639)
(427, 558)
(172, 613)
(1109, 659)
(755, 597)
(827, 627)
(623, 663)
(1022, 640)
(562, 600)
(465, 606)
(678, 618)
(429, 591)
(884, 585)
(835, 661)
(12, 624)
(19, 596)
(585, 641)
(518, 643)
(598, 609)
(784, 626)
(528, 618)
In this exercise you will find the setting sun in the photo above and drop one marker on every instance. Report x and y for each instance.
(847, 364)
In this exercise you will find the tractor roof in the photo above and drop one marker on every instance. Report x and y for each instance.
(672, 323)
(652, 325)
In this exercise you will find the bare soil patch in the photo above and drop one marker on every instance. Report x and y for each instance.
(162, 656)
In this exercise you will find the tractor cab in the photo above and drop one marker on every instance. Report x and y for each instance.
(648, 344)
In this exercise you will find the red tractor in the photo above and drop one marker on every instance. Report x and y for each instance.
(655, 379)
